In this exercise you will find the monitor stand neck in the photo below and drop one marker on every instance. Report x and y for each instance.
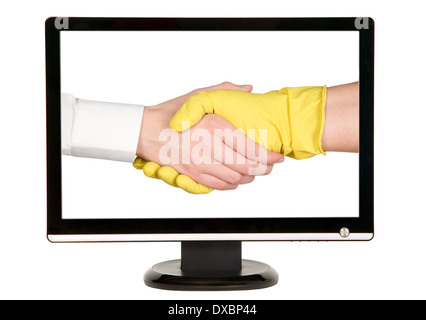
(210, 266)
(203, 258)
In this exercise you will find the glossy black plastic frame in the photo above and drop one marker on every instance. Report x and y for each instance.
(58, 226)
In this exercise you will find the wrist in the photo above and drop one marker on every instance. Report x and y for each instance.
(145, 134)
(155, 119)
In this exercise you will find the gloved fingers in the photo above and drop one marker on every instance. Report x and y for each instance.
(150, 169)
(189, 185)
(139, 163)
(168, 175)
(192, 111)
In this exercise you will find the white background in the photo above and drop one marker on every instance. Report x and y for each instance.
(115, 66)
(389, 267)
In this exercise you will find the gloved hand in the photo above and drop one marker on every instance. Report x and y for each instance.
(294, 117)
(170, 176)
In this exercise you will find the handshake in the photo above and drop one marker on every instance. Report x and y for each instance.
(222, 136)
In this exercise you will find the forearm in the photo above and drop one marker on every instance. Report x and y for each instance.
(341, 128)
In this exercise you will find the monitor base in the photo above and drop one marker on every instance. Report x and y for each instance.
(168, 275)
(211, 266)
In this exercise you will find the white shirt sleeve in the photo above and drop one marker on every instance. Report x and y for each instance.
(101, 130)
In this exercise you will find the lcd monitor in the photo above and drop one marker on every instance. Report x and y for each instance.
(300, 87)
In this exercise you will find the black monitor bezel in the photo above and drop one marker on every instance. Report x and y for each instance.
(58, 226)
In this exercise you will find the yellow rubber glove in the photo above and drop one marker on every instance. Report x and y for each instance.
(294, 117)
(170, 176)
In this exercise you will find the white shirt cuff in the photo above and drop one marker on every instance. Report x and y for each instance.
(101, 130)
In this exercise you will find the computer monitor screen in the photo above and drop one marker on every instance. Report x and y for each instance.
(95, 63)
